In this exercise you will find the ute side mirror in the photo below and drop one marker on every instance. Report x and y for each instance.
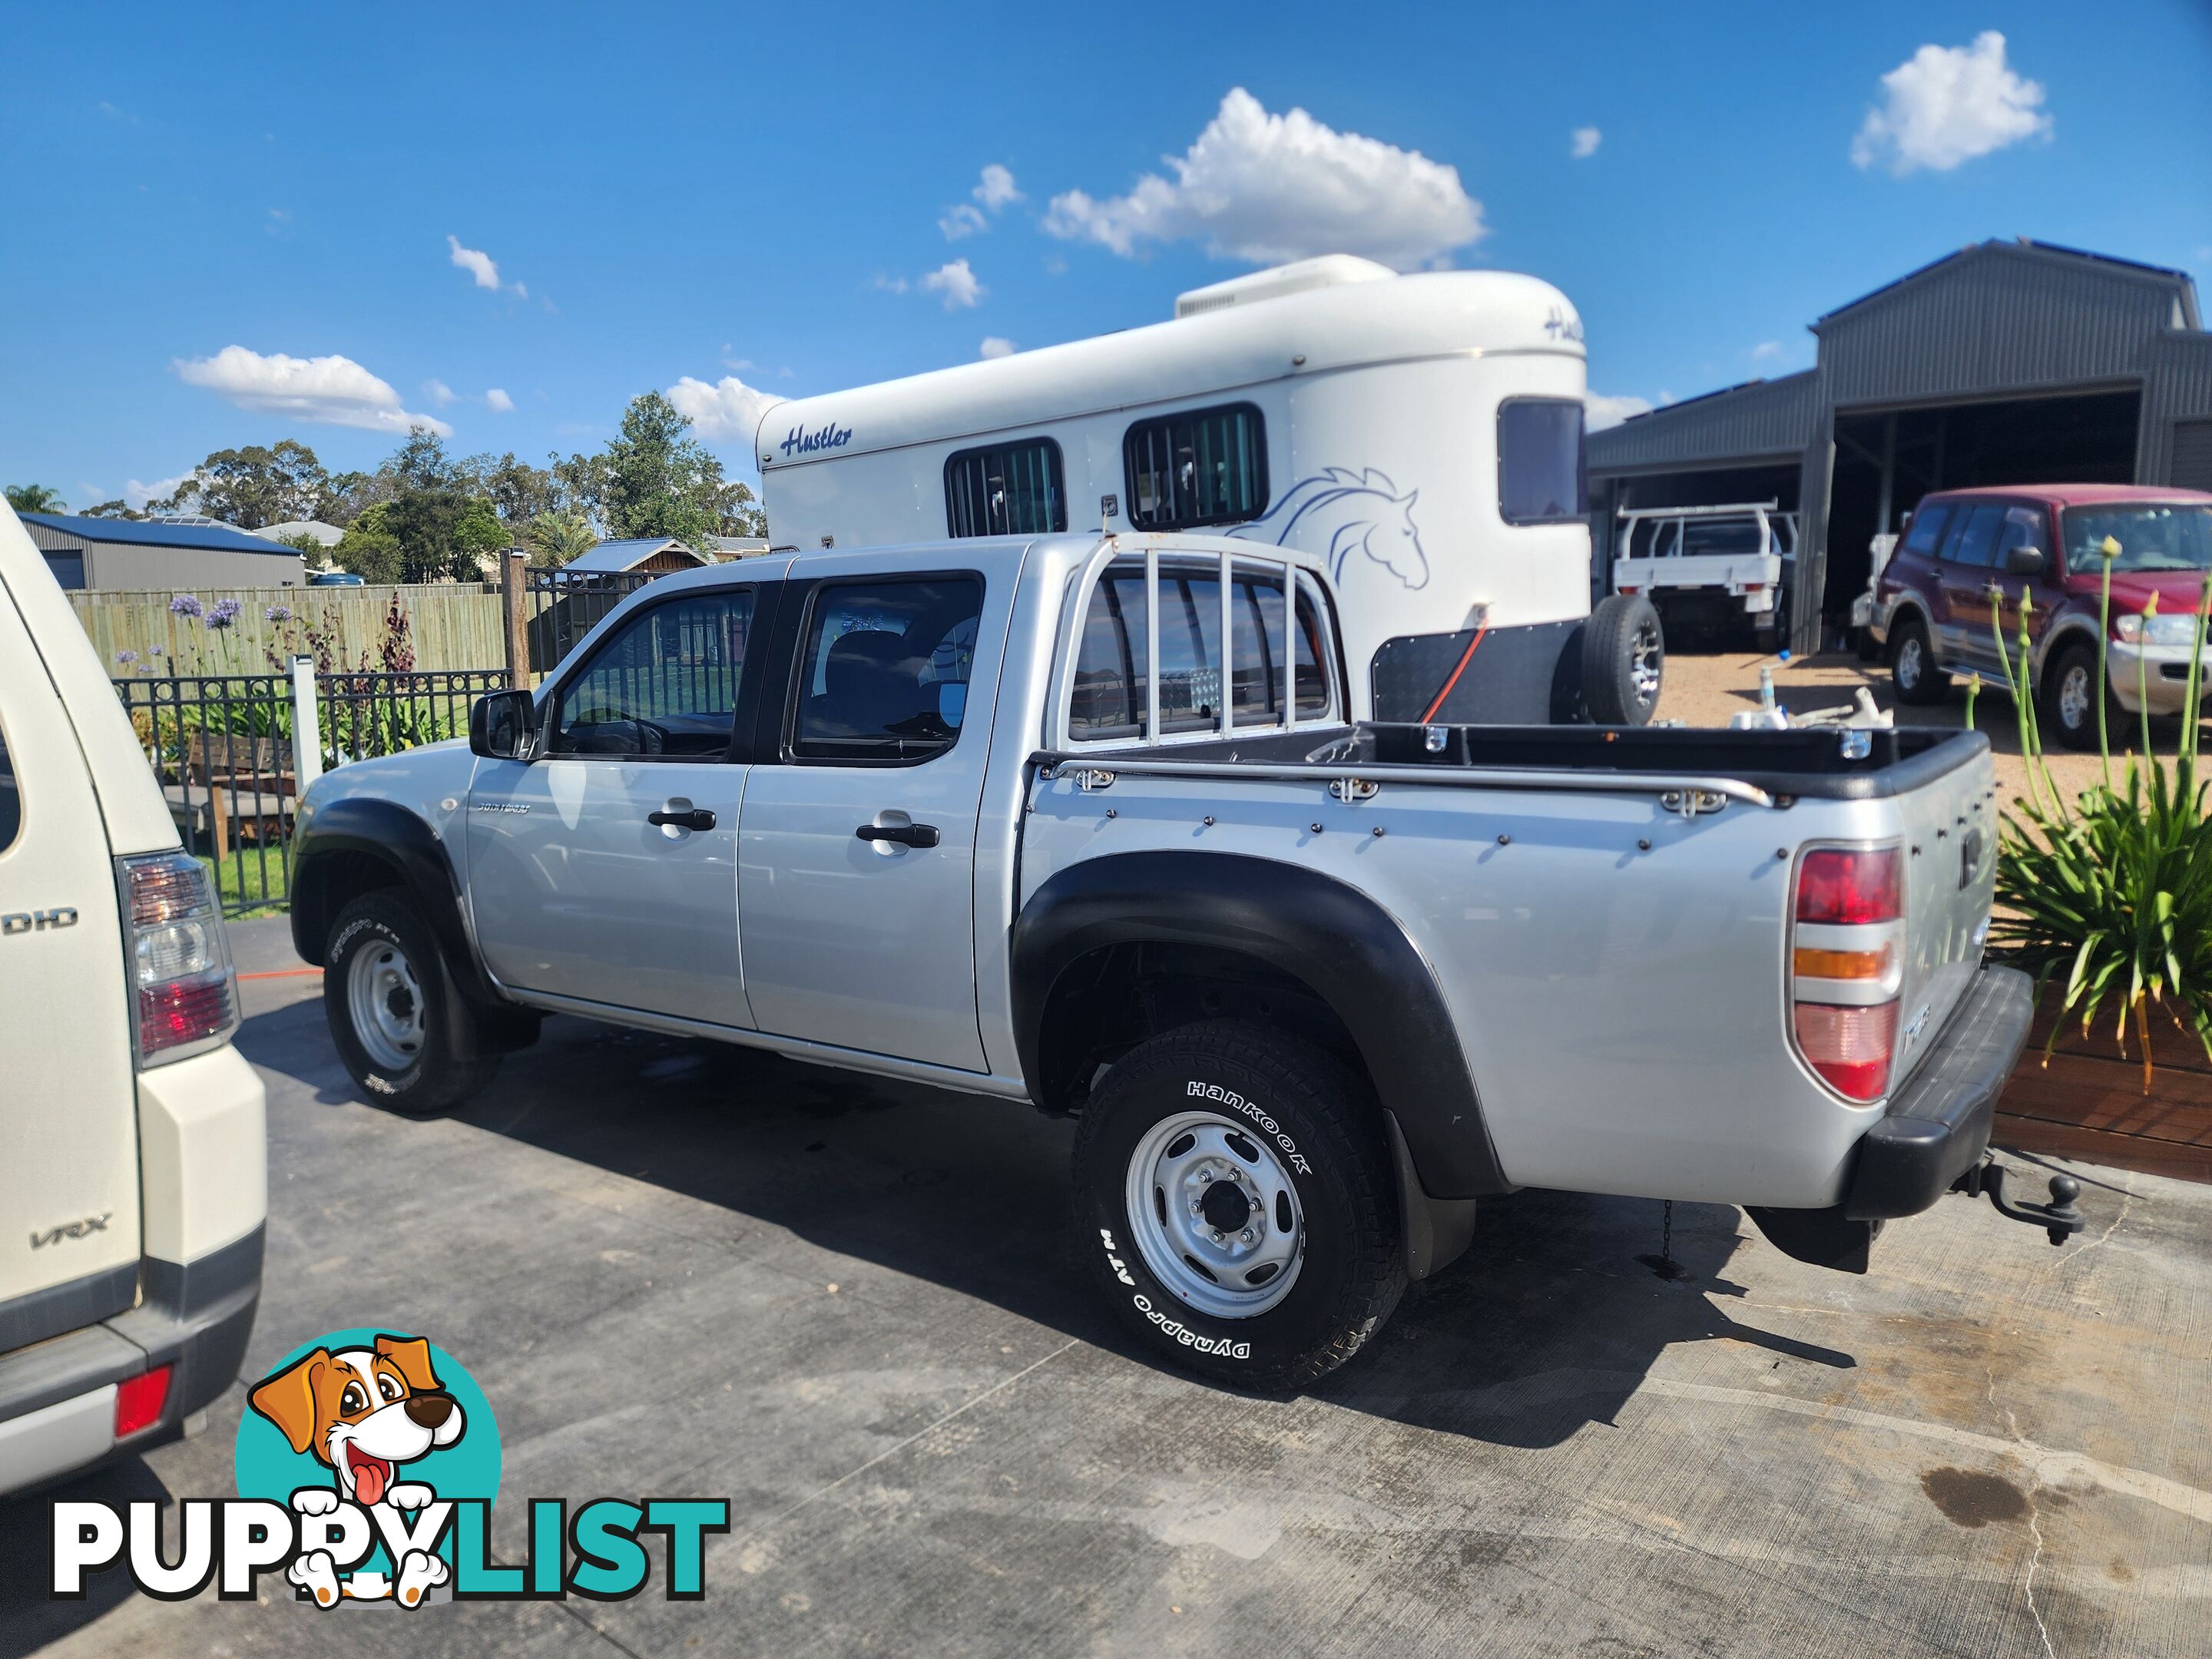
(2025, 561)
(503, 726)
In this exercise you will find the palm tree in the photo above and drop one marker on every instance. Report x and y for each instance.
(36, 498)
(555, 538)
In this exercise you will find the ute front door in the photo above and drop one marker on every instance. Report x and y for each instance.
(605, 870)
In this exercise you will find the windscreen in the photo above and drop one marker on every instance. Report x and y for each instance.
(2151, 538)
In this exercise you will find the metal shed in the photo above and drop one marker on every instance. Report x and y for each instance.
(149, 555)
(2005, 363)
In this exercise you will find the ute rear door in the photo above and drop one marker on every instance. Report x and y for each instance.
(68, 1132)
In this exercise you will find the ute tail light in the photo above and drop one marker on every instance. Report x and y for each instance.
(184, 993)
(1847, 966)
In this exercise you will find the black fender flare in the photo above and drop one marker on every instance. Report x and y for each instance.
(404, 844)
(1337, 941)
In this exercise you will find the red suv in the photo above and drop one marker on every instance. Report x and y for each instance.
(1966, 549)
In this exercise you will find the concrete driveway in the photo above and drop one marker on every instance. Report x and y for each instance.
(852, 1309)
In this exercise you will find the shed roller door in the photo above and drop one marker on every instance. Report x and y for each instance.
(2193, 454)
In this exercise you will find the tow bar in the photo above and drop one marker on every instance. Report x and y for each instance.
(2059, 1219)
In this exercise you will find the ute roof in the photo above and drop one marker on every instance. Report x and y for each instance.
(2074, 494)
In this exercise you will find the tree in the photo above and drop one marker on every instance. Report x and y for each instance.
(742, 512)
(256, 486)
(116, 509)
(36, 498)
(656, 480)
(429, 501)
(479, 535)
(555, 539)
(370, 548)
(519, 491)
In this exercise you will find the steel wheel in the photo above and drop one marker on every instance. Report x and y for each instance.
(1215, 1215)
(385, 1001)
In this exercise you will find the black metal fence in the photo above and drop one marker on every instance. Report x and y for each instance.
(225, 750)
(576, 603)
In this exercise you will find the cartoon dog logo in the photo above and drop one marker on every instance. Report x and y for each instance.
(364, 1412)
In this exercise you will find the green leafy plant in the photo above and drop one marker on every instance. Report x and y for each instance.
(2111, 897)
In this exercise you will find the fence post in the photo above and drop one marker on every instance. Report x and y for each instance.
(514, 590)
(306, 725)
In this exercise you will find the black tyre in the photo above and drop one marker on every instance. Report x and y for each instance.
(1235, 1198)
(1867, 647)
(385, 994)
(1624, 659)
(1912, 667)
(2067, 695)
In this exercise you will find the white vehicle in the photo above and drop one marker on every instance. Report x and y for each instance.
(133, 1178)
(1096, 821)
(1706, 568)
(1421, 435)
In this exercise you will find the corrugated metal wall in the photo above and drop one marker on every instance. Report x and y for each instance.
(2005, 317)
(1771, 418)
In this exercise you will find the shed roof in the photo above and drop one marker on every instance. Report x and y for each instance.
(140, 533)
(628, 554)
(2026, 248)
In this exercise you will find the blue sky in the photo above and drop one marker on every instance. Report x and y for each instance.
(753, 199)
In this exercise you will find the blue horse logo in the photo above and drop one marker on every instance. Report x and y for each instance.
(1338, 512)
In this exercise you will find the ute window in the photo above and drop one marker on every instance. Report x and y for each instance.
(1108, 699)
(1717, 536)
(1539, 460)
(1010, 490)
(665, 684)
(884, 678)
(1201, 466)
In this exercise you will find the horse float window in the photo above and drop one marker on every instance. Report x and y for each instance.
(1200, 466)
(1008, 489)
(1539, 460)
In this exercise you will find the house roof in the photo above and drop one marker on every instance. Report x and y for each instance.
(628, 555)
(140, 533)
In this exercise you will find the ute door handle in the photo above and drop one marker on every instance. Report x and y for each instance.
(907, 834)
(696, 817)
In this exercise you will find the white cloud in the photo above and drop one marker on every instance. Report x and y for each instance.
(729, 410)
(498, 402)
(997, 188)
(136, 494)
(1269, 188)
(965, 220)
(890, 284)
(995, 346)
(475, 262)
(333, 390)
(957, 283)
(1765, 349)
(439, 393)
(1585, 143)
(1945, 104)
(1600, 411)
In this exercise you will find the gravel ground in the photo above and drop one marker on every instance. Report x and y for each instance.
(1704, 688)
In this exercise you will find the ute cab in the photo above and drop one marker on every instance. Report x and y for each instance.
(1976, 564)
(133, 1181)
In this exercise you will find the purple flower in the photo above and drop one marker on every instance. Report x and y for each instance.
(155, 651)
(278, 613)
(224, 613)
(126, 658)
(185, 604)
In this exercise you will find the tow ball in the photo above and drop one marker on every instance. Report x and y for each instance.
(2059, 1219)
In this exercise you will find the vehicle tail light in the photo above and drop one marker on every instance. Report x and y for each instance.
(184, 994)
(1755, 587)
(1846, 965)
(140, 1400)
(1629, 593)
